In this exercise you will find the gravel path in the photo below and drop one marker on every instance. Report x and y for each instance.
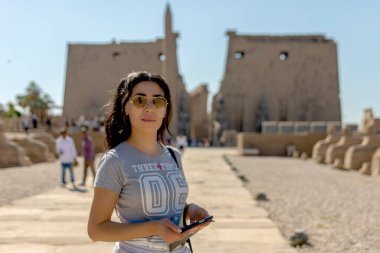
(339, 210)
(22, 182)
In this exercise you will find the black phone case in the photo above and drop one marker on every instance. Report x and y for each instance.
(174, 245)
(194, 224)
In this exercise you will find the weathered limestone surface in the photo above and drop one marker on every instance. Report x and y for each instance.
(318, 127)
(198, 110)
(278, 78)
(36, 150)
(358, 154)
(228, 138)
(276, 144)
(375, 163)
(335, 152)
(46, 138)
(95, 69)
(285, 127)
(11, 154)
(301, 127)
(269, 127)
(319, 149)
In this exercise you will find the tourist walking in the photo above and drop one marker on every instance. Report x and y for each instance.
(67, 152)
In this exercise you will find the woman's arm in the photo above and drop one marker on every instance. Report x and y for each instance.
(101, 228)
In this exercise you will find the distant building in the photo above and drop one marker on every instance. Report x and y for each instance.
(277, 78)
(93, 71)
(266, 78)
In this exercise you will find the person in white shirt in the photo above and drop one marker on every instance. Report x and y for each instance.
(67, 152)
(181, 142)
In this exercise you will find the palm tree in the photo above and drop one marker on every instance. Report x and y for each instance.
(34, 100)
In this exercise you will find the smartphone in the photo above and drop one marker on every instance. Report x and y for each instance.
(194, 224)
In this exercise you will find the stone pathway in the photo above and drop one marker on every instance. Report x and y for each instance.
(55, 221)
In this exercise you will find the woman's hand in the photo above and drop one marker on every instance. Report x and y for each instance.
(169, 231)
(196, 213)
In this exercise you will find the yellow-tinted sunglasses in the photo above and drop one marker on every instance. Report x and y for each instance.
(141, 101)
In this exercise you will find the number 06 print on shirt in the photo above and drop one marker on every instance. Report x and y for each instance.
(160, 193)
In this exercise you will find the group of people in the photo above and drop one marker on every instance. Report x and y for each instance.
(34, 119)
(138, 176)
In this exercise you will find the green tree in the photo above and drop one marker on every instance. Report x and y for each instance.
(35, 101)
(9, 111)
(12, 112)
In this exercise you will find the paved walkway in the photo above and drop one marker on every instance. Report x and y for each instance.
(55, 221)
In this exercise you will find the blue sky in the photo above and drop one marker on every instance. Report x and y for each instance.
(34, 36)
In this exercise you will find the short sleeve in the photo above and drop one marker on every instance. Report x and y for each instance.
(109, 174)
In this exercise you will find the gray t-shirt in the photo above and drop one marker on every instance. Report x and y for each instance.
(149, 188)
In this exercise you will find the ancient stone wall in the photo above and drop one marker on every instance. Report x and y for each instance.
(94, 71)
(278, 78)
(198, 105)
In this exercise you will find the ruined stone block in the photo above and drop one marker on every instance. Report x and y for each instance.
(269, 127)
(318, 127)
(319, 149)
(301, 127)
(36, 150)
(285, 127)
(46, 138)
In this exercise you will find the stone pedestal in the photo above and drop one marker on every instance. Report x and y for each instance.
(11, 154)
(319, 149)
(358, 154)
(335, 152)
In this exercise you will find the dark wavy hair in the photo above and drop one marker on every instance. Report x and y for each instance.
(117, 123)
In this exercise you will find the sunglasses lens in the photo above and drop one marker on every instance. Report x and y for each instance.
(159, 102)
(140, 101)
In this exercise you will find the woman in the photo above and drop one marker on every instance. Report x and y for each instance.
(138, 176)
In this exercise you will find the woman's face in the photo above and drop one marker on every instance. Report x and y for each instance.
(146, 107)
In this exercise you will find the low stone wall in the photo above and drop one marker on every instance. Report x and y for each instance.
(276, 144)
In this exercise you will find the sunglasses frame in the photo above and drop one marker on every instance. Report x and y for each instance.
(149, 99)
